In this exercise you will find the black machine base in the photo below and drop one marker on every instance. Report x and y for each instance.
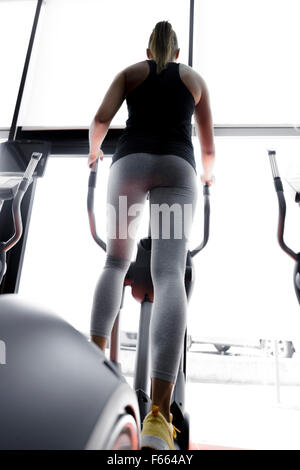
(181, 422)
(144, 402)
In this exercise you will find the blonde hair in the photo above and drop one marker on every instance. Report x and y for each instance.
(163, 44)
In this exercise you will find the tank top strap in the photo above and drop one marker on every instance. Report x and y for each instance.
(174, 68)
(152, 65)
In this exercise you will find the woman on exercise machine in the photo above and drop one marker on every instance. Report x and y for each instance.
(153, 156)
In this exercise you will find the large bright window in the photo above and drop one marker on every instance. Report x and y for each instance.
(247, 51)
(16, 22)
(244, 282)
(81, 45)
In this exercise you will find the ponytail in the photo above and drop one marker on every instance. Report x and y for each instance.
(163, 44)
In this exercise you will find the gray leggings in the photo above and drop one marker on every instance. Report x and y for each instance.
(169, 179)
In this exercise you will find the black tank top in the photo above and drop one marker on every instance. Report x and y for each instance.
(159, 116)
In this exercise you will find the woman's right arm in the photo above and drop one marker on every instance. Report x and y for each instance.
(205, 132)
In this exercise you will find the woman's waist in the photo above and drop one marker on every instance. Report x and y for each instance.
(159, 136)
(152, 144)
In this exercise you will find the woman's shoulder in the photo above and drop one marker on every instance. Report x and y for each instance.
(136, 74)
(192, 80)
(188, 71)
(137, 67)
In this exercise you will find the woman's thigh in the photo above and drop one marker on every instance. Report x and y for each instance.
(172, 211)
(126, 195)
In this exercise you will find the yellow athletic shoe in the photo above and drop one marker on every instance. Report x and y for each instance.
(157, 433)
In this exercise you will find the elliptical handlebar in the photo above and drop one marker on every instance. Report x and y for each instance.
(206, 194)
(90, 205)
(273, 163)
(91, 214)
(16, 205)
(281, 206)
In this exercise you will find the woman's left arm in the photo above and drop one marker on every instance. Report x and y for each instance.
(110, 105)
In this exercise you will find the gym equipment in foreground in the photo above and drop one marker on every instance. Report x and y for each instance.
(295, 187)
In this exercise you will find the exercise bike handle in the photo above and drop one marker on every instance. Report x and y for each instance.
(16, 205)
(281, 206)
(91, 214)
